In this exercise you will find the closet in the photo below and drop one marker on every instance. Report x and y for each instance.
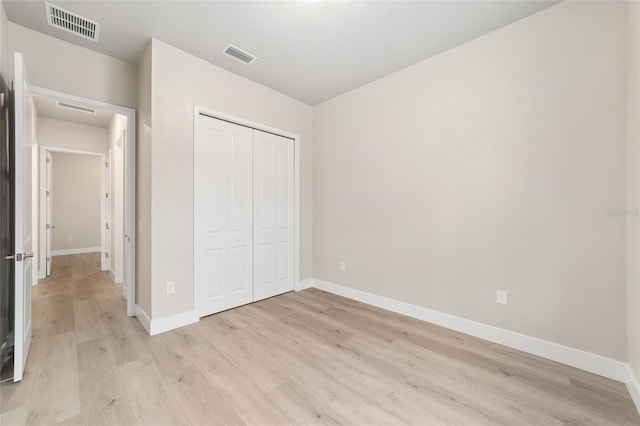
(243, 215)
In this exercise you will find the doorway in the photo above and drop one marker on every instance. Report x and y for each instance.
(117, 157)
(75, 209)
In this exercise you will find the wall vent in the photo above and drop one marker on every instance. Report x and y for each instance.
(76, 107)
(71, 22)
(239, 54)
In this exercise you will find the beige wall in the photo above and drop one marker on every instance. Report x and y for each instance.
(143, 184)
(6, 63)
(76, 201)
(179, 81)
(67, 135)
(488, 167)
(633, 188)
(65, 67)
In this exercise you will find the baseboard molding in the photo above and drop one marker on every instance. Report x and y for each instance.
(161, 325)
(143, 318)
(593, 363)
(633, 386)
(76, 251)
(112, 276)
(304, 284)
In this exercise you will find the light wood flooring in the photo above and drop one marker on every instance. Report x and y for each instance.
(300, 358)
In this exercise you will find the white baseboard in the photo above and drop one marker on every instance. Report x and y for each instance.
(633, 386)
(161, 325)
(143, 318)
(76, 251)
(304, 284)
(112, 275)
(587, 361)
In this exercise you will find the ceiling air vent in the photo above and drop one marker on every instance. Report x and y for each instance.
(76, 107)
(239, 54)
(71, 22)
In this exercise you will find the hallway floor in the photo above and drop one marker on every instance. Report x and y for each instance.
(300, 358)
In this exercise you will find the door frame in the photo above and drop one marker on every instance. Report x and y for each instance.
(130, 185)
(198, 110)
(43, 202)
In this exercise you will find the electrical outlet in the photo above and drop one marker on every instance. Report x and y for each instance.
(343, 265)
(171, 287)
(501, 297)
(70, 238)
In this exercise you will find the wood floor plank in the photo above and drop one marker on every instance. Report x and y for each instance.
(240, 392)
(88, 321)
(103, 399)
(202, 404)
(151, 399)
(56, 393)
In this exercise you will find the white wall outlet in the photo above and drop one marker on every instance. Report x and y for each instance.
(343, 265)
(171, 287)
(501, 297)
(70, 238)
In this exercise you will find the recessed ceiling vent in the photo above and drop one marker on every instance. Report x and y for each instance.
(239, 54)
(71, 22)
(76, 107)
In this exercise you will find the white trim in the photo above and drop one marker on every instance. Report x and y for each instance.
(75, 251)
(182, 319)
(71, 151)
(162, 325)
(143, 318)
(633, 386)
(197, 110)
(304, 284)
(112, 276)
(130, 202)
(587, 361)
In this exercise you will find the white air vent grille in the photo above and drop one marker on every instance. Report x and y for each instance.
(76, 107)
(71, 22)
(239, 54)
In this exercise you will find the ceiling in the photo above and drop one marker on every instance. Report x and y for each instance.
(311, 51)
(47, 107)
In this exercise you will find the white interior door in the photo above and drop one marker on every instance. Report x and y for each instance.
(49, 211)
(128, 202)
(223, 215)
(23, 133)
(118, 207)
(273, 187)
(105, 261)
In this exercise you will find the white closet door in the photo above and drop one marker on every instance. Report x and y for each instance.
(223, 215)
(273, 215)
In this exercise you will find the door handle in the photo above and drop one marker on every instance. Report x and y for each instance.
(53, 227)
(19, 256)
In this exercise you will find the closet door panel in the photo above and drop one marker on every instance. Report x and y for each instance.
(240, 205)
(264, 285)
(210, 220)
(273, 214)
(284, 226)
(223, 170)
